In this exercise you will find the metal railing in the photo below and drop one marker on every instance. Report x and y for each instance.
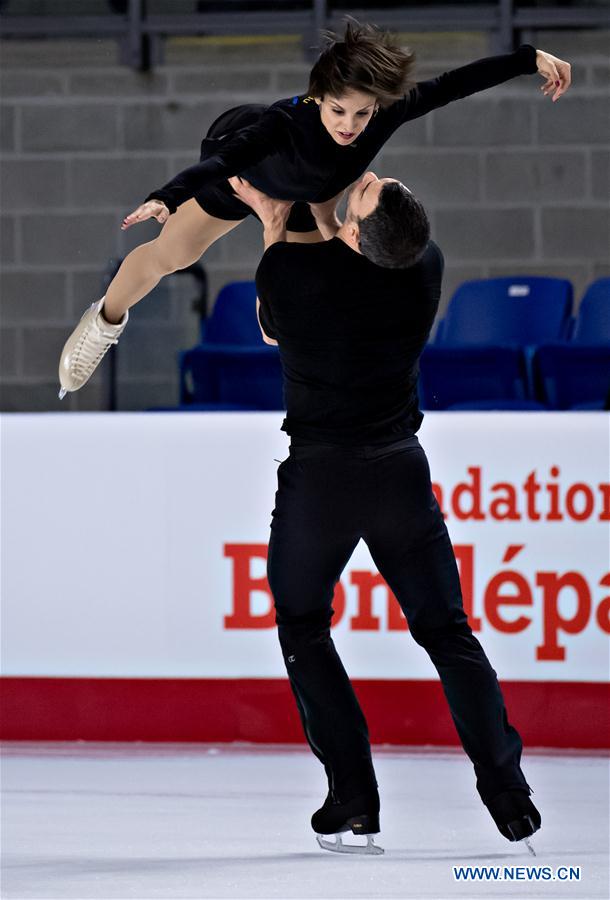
(141, 26)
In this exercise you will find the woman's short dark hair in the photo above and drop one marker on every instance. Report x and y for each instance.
(395, 234)
(365, 59)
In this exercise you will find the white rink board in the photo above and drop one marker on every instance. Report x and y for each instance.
(114, 530)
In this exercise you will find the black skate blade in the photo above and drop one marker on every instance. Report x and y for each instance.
(337, 846)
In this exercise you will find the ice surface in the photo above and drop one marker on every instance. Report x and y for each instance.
(167, 821)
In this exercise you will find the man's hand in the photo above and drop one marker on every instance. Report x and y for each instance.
(325, 215)
(558, 74)
(266, 208)
(152, 209)
(272, 213)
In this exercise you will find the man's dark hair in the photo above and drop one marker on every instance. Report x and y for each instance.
(365, 59)
(395, 234)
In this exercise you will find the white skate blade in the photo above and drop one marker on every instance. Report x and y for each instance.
(526, 841)
(337, 846)
(62, 393)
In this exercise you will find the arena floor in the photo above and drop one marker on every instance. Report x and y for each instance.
(191, 821)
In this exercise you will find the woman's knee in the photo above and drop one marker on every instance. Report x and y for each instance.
(165, 260)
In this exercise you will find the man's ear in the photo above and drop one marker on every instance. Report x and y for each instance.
(354, 232)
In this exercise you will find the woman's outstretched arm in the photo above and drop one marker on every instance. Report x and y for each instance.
(479, 76)
(233, 155)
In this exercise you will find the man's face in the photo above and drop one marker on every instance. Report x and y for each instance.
(364, 196)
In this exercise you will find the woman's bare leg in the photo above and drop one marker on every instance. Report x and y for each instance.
(183, 239)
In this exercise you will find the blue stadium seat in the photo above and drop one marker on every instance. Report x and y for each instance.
(252, 377)
(576, 374)
(573, 376)
(593, 321)
(231, 369)
(516, 311)
(499, 405)
(233, 319)
(228, 376)
(480, 355)
(473, 378)
(204, 407)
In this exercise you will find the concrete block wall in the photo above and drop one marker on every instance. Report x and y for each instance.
(513, 183)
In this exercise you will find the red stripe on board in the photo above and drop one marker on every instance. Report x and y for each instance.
(547, 713)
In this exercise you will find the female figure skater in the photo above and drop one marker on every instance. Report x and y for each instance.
(307, 149)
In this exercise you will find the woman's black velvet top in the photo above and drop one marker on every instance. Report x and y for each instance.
(289, 155)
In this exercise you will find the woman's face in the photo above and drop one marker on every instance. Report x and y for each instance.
(346, 117)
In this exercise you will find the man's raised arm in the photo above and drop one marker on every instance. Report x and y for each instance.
(273, 215)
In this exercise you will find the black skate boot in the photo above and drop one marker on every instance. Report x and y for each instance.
(515, 815)
(360, 815)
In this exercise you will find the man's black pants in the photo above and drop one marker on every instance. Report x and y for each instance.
(328, 498)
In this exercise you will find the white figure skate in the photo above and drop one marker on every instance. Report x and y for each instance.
(86, 347)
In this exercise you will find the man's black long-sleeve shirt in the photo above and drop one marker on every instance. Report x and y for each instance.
(350, 335)
(289, 155)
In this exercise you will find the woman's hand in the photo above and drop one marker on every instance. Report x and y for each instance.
(556, 72)
(152, 209)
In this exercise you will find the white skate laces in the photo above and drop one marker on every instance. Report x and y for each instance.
(86, 347)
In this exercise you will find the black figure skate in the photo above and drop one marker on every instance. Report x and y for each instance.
(360, 815)
(516, 816)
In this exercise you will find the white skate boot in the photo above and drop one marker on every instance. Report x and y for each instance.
(86, 347)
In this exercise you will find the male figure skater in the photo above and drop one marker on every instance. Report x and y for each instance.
(351, 316)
